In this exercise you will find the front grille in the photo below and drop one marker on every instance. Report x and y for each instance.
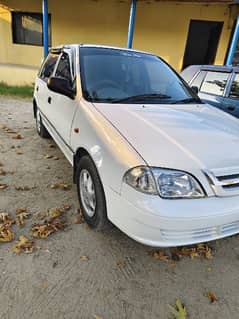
(224, 182)
(201, 234)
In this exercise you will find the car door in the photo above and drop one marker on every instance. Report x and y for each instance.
(231, 100)
(41, 90)
(213, 88)
(62, 107)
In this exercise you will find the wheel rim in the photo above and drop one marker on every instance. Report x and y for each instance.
(87, 193)
(38, 121)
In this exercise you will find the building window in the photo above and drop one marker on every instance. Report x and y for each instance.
(27, 28)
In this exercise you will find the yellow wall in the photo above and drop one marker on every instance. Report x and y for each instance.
(161, 27)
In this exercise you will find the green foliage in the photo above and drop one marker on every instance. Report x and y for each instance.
(24, 91)
(179, 312)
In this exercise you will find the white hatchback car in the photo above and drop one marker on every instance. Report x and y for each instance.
(147, 154)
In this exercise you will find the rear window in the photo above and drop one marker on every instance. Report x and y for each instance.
(215, 83)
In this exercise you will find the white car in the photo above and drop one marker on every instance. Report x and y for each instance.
(147, 154)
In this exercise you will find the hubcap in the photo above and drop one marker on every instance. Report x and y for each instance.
(38, 121)
(87, 193)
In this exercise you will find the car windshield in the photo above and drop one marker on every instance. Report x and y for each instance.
(122, 76)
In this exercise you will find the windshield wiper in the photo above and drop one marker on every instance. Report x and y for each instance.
(142, 97)
(188, 101)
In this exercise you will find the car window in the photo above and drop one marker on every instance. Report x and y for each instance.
(110, 75)
(234, 92)
(48, 66)
(63, 69)
(215, 82)
(197, 81)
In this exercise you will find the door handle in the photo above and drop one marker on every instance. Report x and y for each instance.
(37, 88)
(231, 108)
(49, 100)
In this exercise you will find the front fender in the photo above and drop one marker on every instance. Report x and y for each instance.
(111, 152)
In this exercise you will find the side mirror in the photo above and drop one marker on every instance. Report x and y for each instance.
(195, 89)
(62, 86)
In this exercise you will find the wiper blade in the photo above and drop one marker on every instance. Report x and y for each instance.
(188, 101)
(142, 97)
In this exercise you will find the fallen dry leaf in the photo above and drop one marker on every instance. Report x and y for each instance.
(61, 186)
(55, 158)
(6, 235)
(212, 296)
(2, 172)
(201, 250)
(18, 152)
(160, 255)
(120, 264)
(78, 219)
(97, 317)
(3, 186)
(9, 130)
(84, 258)
(1, 164)
(40, 215)
(24, 188)
(5, 219)
(21, 215)
(55, 212)
(66, 207)
(178, 312)
(23, 245)
(47, 156)
(47, 228)
(51, 146)
(17, 136)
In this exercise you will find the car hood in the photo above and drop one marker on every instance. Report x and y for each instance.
(177, 136)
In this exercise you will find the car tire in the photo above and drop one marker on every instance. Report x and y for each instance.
(41, 130)
(91, 194)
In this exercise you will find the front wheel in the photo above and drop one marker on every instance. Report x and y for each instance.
(41, 130)
(91, 194)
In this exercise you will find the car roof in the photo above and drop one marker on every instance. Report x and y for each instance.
(69, 46)
(189, 72)
(219, 68)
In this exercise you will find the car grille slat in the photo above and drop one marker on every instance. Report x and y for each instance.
(224, 184)
(203, 234)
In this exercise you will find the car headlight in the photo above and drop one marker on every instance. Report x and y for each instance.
(167, 183)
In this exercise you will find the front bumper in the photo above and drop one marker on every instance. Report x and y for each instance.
(157, 222)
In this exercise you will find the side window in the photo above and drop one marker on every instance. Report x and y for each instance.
(197, 81)
(234, 92)
(48, 66)
(215, 83)
(64, 69)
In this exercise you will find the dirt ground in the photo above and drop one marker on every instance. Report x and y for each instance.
(116, 278)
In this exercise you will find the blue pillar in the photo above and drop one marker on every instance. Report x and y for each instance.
(45, 26)
(131, 23)
(234, 43)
